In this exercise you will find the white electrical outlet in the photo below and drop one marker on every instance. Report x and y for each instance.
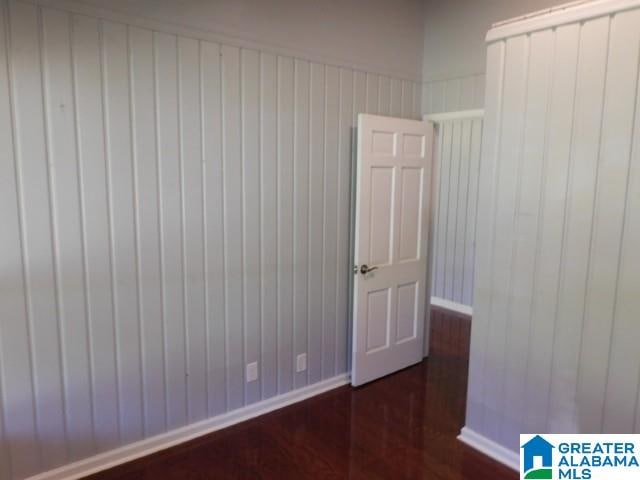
(301, 362)
(252, 372)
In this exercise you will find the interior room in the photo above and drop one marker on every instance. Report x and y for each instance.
(359, 239)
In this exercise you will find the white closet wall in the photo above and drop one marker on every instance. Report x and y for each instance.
(172, 209)
(453, 68)
(554, 345)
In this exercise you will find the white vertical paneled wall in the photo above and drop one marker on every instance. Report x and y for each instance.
(172, 209)
(458, 146)
(555, 340)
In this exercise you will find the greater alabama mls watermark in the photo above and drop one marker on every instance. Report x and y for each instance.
(580, 457)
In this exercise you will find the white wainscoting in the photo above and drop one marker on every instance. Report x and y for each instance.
(172, 209)
(457, 167)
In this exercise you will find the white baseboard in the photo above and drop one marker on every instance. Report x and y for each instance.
(453, 306)
(151, 445)
(490, 448)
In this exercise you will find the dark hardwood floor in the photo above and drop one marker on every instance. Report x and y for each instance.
(403, 426)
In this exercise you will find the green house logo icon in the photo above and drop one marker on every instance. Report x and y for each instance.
(538, 447)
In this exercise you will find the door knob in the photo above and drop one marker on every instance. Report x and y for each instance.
(364, 269)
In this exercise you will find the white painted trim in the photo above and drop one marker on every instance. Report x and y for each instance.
(459, 115)
(453, 306)
(561, 15)
(151, 445)
(451, 75)
(217, 35)
(490, 448)
(538, 13)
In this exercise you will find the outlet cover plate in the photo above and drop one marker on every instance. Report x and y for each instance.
(301, 363)
(252, 372)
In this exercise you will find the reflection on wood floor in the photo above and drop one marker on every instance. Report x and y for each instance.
(403, 426)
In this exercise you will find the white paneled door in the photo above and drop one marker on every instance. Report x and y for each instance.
(393, 200)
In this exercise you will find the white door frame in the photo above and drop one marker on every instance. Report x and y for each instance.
(438, 119)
